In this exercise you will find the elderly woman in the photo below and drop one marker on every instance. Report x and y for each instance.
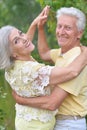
(28, 78)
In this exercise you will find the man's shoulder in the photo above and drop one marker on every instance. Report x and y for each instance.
(54, 53)
(73, 53)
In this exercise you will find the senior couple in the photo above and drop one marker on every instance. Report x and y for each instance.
(55, 92)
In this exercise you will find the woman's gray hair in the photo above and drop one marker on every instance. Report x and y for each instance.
(81, 18)
(5, 53)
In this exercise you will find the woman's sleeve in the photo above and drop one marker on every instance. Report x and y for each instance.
(41, 80)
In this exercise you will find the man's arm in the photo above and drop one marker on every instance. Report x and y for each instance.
(63, 74)
(51, 102)
(43, 48)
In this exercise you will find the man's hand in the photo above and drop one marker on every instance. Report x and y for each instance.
(83, 49)
(84, 53)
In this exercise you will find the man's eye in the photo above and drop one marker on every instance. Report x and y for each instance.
(59, 26)
(68, 28)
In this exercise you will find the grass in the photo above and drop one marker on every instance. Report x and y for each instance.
(7, 109)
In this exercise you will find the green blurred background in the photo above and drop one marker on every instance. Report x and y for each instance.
(20, 13)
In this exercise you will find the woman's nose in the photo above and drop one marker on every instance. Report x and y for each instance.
(24, 40)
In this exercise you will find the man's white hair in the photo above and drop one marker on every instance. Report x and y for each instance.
(71, 11)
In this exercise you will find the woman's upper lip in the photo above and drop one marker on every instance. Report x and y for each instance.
(27, 44)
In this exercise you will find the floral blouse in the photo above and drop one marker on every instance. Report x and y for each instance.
(30, 79)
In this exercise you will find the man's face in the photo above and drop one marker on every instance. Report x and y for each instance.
(67, 32)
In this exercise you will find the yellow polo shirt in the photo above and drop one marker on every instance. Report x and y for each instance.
(76, 102)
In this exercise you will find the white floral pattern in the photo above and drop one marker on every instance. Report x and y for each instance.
(30, 79)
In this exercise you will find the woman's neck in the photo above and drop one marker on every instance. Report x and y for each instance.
(28, 58)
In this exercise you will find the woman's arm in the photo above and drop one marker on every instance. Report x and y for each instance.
(42, 17)
(59, 75)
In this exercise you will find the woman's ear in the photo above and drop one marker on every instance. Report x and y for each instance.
(15, 56)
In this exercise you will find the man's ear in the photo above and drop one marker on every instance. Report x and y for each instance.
(80, 34)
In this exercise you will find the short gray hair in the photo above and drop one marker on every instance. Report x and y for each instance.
(81, 18)
(5, 53)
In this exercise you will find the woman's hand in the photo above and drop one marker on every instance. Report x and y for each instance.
(41, 19)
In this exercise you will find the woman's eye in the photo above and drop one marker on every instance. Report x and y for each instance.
(16, 41)
(21, 32)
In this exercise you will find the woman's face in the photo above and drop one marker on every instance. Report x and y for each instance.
(20, 45)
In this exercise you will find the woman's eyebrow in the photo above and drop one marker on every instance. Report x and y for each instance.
(16, 37)
(19, 32)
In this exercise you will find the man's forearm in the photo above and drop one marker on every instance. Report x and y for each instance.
(37, 102)
(43, 47)
(59, 75)
(80, 62)
(51, 102)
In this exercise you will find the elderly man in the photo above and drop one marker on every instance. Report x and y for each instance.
(70, 99)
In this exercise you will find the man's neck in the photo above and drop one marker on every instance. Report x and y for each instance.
(65, 49)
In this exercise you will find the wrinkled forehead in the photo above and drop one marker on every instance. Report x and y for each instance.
(14, 33)
(67, 20)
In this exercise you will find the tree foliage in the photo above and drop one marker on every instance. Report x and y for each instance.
(19, 13)
(55, 5)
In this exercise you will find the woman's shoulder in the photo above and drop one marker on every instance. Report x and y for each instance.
(23, 67)
(27, 66)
